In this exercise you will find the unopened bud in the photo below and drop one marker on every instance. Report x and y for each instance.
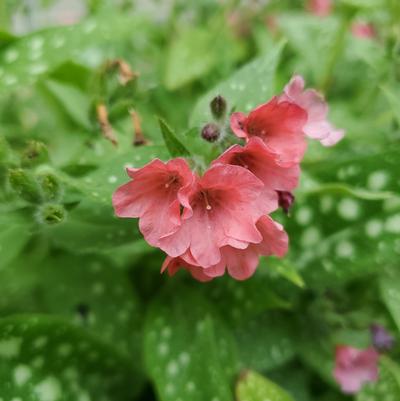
(286, 200)
(50, 185)
(210, 132)
(25, 185)
(35, 153)
(51, 214)
(218, 107)
(381, 339)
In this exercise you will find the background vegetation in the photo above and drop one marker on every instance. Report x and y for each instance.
(85, 314)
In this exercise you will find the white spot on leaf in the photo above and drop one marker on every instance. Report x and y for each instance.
(344, 249)
(304, 216)
(22, 374)
(10, 348)
(48, 389)
(373, 228)
(378, 180)
(348, 209)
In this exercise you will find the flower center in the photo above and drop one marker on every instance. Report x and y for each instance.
(171, 181)
(240, 161)
(206, 201)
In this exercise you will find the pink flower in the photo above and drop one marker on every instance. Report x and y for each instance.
(363, 30)
(172, 265)
(354, 367)
(317, 125)
(263, 163)
(221, 208)
(152, 195)
(240, 263)
(279, 124)
(320, 8)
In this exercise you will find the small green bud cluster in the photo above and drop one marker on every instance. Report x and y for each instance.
(41, 189)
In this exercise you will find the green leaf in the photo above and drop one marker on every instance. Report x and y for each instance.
(15, 232)
(91, 227)
(254, 387)
(390, 293)
(99, 185)
(317, 352)
(196, 52)
(251, 85)
(312, 40)
(388, 385)
(30, 57)
(188, 353)
(393, 96)
(6, 38)
(345, 230)
(238, 301)
(270, 332)
(174, 146)
(287, 270)
(363, 3)
(72, 100)
(81, 296)
(187, 62)
(45, 358)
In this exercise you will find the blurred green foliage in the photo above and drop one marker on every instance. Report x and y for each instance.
(85, 314)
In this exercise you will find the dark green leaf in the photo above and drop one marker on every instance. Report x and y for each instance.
(173, 144)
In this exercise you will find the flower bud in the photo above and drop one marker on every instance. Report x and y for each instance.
(35, 153)
(51, 214)
(381, 339)
(210, 132)
(218, 107)
(286, 200)
(25, 185)
(50, 186)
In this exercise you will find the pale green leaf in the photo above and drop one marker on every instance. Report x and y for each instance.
(254, 387)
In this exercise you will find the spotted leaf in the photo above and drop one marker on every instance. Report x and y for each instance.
(46, 359)
(178, 335)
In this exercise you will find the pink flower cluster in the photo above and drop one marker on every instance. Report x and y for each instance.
(220, 220)
(354, 367)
